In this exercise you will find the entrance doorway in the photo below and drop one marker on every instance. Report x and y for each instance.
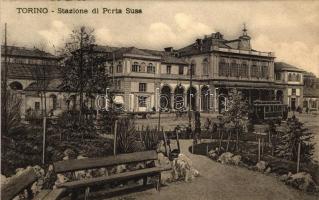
(205, 98)
(293, 104)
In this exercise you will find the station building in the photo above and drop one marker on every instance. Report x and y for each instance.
(199, 75)
(148, 79)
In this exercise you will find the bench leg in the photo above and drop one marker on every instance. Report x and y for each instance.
(86, 194)
(158, 182)
(74, 195)
(144, 181)
(30, 193)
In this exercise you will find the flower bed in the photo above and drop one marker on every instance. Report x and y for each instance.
(307, 179)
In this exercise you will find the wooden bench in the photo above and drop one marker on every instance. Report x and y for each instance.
(19, 183)
(94, 163)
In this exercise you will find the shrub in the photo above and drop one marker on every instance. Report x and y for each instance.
(150, 139)
(126, 136)
(287, 146)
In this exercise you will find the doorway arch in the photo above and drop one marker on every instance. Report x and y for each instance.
(179, 101)
(205, 98)
(191, 98)
(165, 97)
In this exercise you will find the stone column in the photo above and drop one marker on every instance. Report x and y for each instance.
(216, 99)
(199, 97)
(172, 100)
(23, 106)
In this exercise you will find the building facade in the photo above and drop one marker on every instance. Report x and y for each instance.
(310, 92)
(198, 76)
(150, 80)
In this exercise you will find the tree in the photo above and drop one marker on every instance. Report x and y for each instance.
(289, 139)
(83, 70)
(237, 112)
(237, 109)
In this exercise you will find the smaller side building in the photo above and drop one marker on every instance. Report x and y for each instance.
(311, 92)
(291, 79)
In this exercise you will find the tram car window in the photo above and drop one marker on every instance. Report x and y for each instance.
(268, 110)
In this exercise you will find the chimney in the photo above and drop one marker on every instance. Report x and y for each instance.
(169, 49)
(199, 42)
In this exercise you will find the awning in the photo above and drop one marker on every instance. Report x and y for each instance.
(118, 99)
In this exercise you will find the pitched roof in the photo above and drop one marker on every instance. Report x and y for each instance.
(27, 71)
(166, 57)
(311, 92)
(26, 52)
(124, 51)
(204, 46)
(104, 48)
(282, 66)
(51, 85)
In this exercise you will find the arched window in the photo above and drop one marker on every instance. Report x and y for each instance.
(16, 86)
(150, 68)
(223, 67)
(135, 67)
(119, 67)
(54, 101)
(234, 69)
(143, 67)
(205, 66)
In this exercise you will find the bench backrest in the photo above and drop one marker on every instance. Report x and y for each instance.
(17, 184)
(91, 163)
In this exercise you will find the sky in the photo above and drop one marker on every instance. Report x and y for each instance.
(288, 28)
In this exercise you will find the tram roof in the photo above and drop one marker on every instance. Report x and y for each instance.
(259, 102)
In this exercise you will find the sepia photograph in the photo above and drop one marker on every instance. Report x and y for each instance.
(164, 100)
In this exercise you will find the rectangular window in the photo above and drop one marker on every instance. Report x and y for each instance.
(119, 68)
(313, 104)
(278, 76)
(264, 71)
(234, 69)
(150, 68)
(142, 101)
(254, 71)
(223, 68)
(118, 84)
(111, 69)
(168, 69)
(243, 70)
(135, 67)
(293, 91)
(37, 105)
(181, 70)
(142, 87)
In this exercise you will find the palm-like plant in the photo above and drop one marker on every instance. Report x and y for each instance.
(126, 136)
(150, 139)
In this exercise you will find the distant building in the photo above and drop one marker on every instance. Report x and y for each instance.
(290, 78)
(29, 71)
(310, 92)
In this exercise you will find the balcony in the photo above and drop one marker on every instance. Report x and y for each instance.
(257, 53)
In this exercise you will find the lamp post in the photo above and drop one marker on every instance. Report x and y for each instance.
(190, 104)
(190, 95)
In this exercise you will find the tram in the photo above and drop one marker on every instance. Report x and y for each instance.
(268, 110)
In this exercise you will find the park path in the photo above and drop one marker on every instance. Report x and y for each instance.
(222, 182)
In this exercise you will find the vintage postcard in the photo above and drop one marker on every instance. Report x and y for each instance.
(207, 100)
